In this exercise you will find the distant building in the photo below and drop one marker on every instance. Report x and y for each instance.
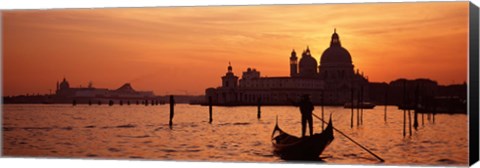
(335, 78)
(89, 95)
(403, 91)
(424, 94)
(125, 92)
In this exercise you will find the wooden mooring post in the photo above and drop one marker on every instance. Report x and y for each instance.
(172, 105)
(415, 119)
(361, 105)
(259, 105)
(404, 107)
(323, 114)
(210, 103)
(407, 106)
(409, 123)
(404, 122)
(433, 117)
(386, 103)
(358, 108)
(434, 110)
(422, 119)
(352, 96)
(415, 105)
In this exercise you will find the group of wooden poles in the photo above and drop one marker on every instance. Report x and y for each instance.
(358, 107)
(407, 110)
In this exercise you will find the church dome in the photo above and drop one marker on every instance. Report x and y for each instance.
(64, 84)
(308, 64)
(335, 53)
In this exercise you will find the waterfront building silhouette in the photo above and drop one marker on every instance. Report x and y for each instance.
(334, 75)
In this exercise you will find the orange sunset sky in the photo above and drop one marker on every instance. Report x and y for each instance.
(184, 50)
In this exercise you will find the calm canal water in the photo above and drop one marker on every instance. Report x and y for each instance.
(142, 132)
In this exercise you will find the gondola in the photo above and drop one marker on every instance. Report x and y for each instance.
(289, 147)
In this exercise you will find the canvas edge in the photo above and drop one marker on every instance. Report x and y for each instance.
(473, 67)
(1, 83)
(473, 86)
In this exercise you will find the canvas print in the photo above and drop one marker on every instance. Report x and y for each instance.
(368, 83)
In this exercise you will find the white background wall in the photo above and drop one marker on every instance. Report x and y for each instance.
(48, 4)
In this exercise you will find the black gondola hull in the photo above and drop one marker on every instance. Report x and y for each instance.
(289, 147)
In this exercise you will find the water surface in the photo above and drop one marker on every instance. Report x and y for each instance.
(142, 132)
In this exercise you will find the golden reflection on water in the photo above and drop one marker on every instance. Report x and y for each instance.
(142, 132)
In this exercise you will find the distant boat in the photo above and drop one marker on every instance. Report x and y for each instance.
(363, 105)
(290, 147)
(46, 102)
(407, 107)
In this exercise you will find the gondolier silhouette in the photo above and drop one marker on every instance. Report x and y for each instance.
(306, 109)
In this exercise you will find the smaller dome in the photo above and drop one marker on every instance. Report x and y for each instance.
(307, 65)
(64, 84)
(308, 61)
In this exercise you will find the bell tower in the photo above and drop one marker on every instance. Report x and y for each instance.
(229, 80)
(293, 64)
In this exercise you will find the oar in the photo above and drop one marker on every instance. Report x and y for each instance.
(379, 158)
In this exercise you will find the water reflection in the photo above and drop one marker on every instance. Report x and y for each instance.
(142, 132)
